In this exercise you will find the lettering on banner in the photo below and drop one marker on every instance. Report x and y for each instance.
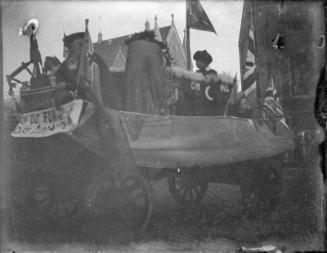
(47, 122)
(224, 88)
(195, 86)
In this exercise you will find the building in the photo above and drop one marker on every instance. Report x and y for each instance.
(290, 48)
(114, 51)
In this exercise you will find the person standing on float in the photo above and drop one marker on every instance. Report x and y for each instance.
(210, 97)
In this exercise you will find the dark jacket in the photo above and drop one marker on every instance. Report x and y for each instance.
(210, 98)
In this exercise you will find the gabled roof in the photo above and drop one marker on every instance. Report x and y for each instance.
(108, 49)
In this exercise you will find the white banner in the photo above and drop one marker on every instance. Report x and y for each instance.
(49, 121)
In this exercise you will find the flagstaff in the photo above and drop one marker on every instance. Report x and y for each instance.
(188, 45)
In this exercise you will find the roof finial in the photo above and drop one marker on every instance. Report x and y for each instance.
(172, 19)
(157, 35)
(100, 37)
(147, 25)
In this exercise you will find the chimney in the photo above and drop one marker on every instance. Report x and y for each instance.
(185, 42)
(157, 35)
(147, 25)
(172, 19)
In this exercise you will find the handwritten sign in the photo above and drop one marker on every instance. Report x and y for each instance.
(49, 121)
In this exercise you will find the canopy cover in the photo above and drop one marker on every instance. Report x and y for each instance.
(183, 141)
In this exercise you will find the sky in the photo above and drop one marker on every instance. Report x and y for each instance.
(114, 19)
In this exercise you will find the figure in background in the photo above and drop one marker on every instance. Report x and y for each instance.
(67, 74)
(113, 142)
(209, 98)
(62, 95)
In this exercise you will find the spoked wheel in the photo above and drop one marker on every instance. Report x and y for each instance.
(187, 187)
(53, 198)
(137, 202)
(125, 206)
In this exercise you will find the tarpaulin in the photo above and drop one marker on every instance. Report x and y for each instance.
(187, 141)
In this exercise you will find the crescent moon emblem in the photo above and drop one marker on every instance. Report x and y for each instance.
(206, 92)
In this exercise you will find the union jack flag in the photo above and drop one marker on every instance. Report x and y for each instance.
(249, 83)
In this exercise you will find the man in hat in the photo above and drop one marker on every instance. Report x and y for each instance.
(118, 156)
(73, 45)
(211, 97)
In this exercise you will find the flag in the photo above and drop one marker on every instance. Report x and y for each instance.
(271, 100)
(84, 68)
(197, 18)
(272, 105)
(88, 72)
(249, 84)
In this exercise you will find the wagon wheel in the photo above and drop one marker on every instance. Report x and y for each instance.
(124, 206)
(187, 188)
(137, 202)
(53, 198)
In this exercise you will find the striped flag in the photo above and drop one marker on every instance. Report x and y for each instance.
(271, 100)
(272, 104)
(249, 83)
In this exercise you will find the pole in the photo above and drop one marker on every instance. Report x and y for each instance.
(188, 44)
(188, 48)
(258, 93)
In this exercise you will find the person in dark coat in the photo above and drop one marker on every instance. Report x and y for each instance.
(117, 155)
(210, 98)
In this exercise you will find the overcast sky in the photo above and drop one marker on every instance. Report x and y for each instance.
(117, 19)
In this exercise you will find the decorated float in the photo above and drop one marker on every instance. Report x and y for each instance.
(190, 151)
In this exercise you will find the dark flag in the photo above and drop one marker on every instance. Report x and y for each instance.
(197, 18)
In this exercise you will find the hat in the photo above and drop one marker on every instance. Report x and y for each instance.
(203, 56)
(72, 37)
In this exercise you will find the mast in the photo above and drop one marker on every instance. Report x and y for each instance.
(258, 95)
(325, 22)
(188, 45)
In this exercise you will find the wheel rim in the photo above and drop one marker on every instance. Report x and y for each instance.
(137, 206)
(187, 189)
(128, 204)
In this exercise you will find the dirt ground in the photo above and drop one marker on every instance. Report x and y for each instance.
(217, 225)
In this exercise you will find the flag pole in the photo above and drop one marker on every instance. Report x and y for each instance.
(188, 48)
(258, 95)
(188, 44)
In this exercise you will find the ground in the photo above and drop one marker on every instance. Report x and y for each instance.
(217, 225)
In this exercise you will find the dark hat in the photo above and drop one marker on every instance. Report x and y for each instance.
(72, 37)
(203, 56)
